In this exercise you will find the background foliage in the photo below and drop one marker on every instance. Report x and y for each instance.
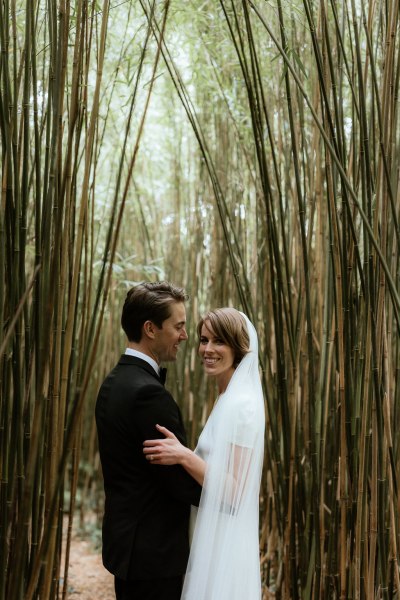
(248, 150)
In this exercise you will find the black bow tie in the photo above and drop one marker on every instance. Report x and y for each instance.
(163, 374)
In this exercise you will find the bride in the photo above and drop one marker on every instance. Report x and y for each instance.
(224, 556)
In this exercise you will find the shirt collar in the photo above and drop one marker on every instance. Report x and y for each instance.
(146, 357)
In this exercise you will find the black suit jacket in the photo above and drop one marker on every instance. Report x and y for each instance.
(147, 507)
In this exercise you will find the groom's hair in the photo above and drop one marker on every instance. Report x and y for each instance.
(149, 302)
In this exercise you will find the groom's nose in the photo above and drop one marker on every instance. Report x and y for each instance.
(184, 335)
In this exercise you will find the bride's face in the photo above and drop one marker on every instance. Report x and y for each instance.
(216, 356)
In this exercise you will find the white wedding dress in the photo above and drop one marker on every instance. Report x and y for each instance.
(224, 557)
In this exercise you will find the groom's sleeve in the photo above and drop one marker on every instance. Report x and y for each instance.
(156, 406)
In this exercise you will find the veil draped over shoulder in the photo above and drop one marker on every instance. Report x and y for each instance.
(224, 557)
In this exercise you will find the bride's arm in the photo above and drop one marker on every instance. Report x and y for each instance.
(236, 478)
(169, 451)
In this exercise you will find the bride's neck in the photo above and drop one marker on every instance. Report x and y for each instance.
(224, 379)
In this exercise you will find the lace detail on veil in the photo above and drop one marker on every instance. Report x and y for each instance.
(224, 557)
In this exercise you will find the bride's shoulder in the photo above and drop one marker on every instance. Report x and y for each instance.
(241, 408)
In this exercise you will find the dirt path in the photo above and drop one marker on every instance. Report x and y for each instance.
(88, 579)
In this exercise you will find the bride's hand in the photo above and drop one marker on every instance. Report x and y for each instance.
(167, 451)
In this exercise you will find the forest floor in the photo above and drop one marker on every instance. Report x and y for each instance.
(87, 578)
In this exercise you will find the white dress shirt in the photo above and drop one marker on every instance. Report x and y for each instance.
(148, 359)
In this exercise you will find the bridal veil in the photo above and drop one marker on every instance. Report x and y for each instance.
(224, 557)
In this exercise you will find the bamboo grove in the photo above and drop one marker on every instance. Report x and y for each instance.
(249, 150)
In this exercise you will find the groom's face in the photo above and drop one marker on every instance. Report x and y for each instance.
(171, 334)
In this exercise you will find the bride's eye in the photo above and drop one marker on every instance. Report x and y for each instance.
(203, 340)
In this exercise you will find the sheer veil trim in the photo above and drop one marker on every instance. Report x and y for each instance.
(224, 557)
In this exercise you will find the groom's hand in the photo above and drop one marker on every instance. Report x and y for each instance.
(167, 451)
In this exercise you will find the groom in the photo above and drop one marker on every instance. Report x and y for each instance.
(145, 526)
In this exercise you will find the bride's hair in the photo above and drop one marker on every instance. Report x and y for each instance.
(230, 326)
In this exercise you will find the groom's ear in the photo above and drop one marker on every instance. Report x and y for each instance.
(149, 329)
